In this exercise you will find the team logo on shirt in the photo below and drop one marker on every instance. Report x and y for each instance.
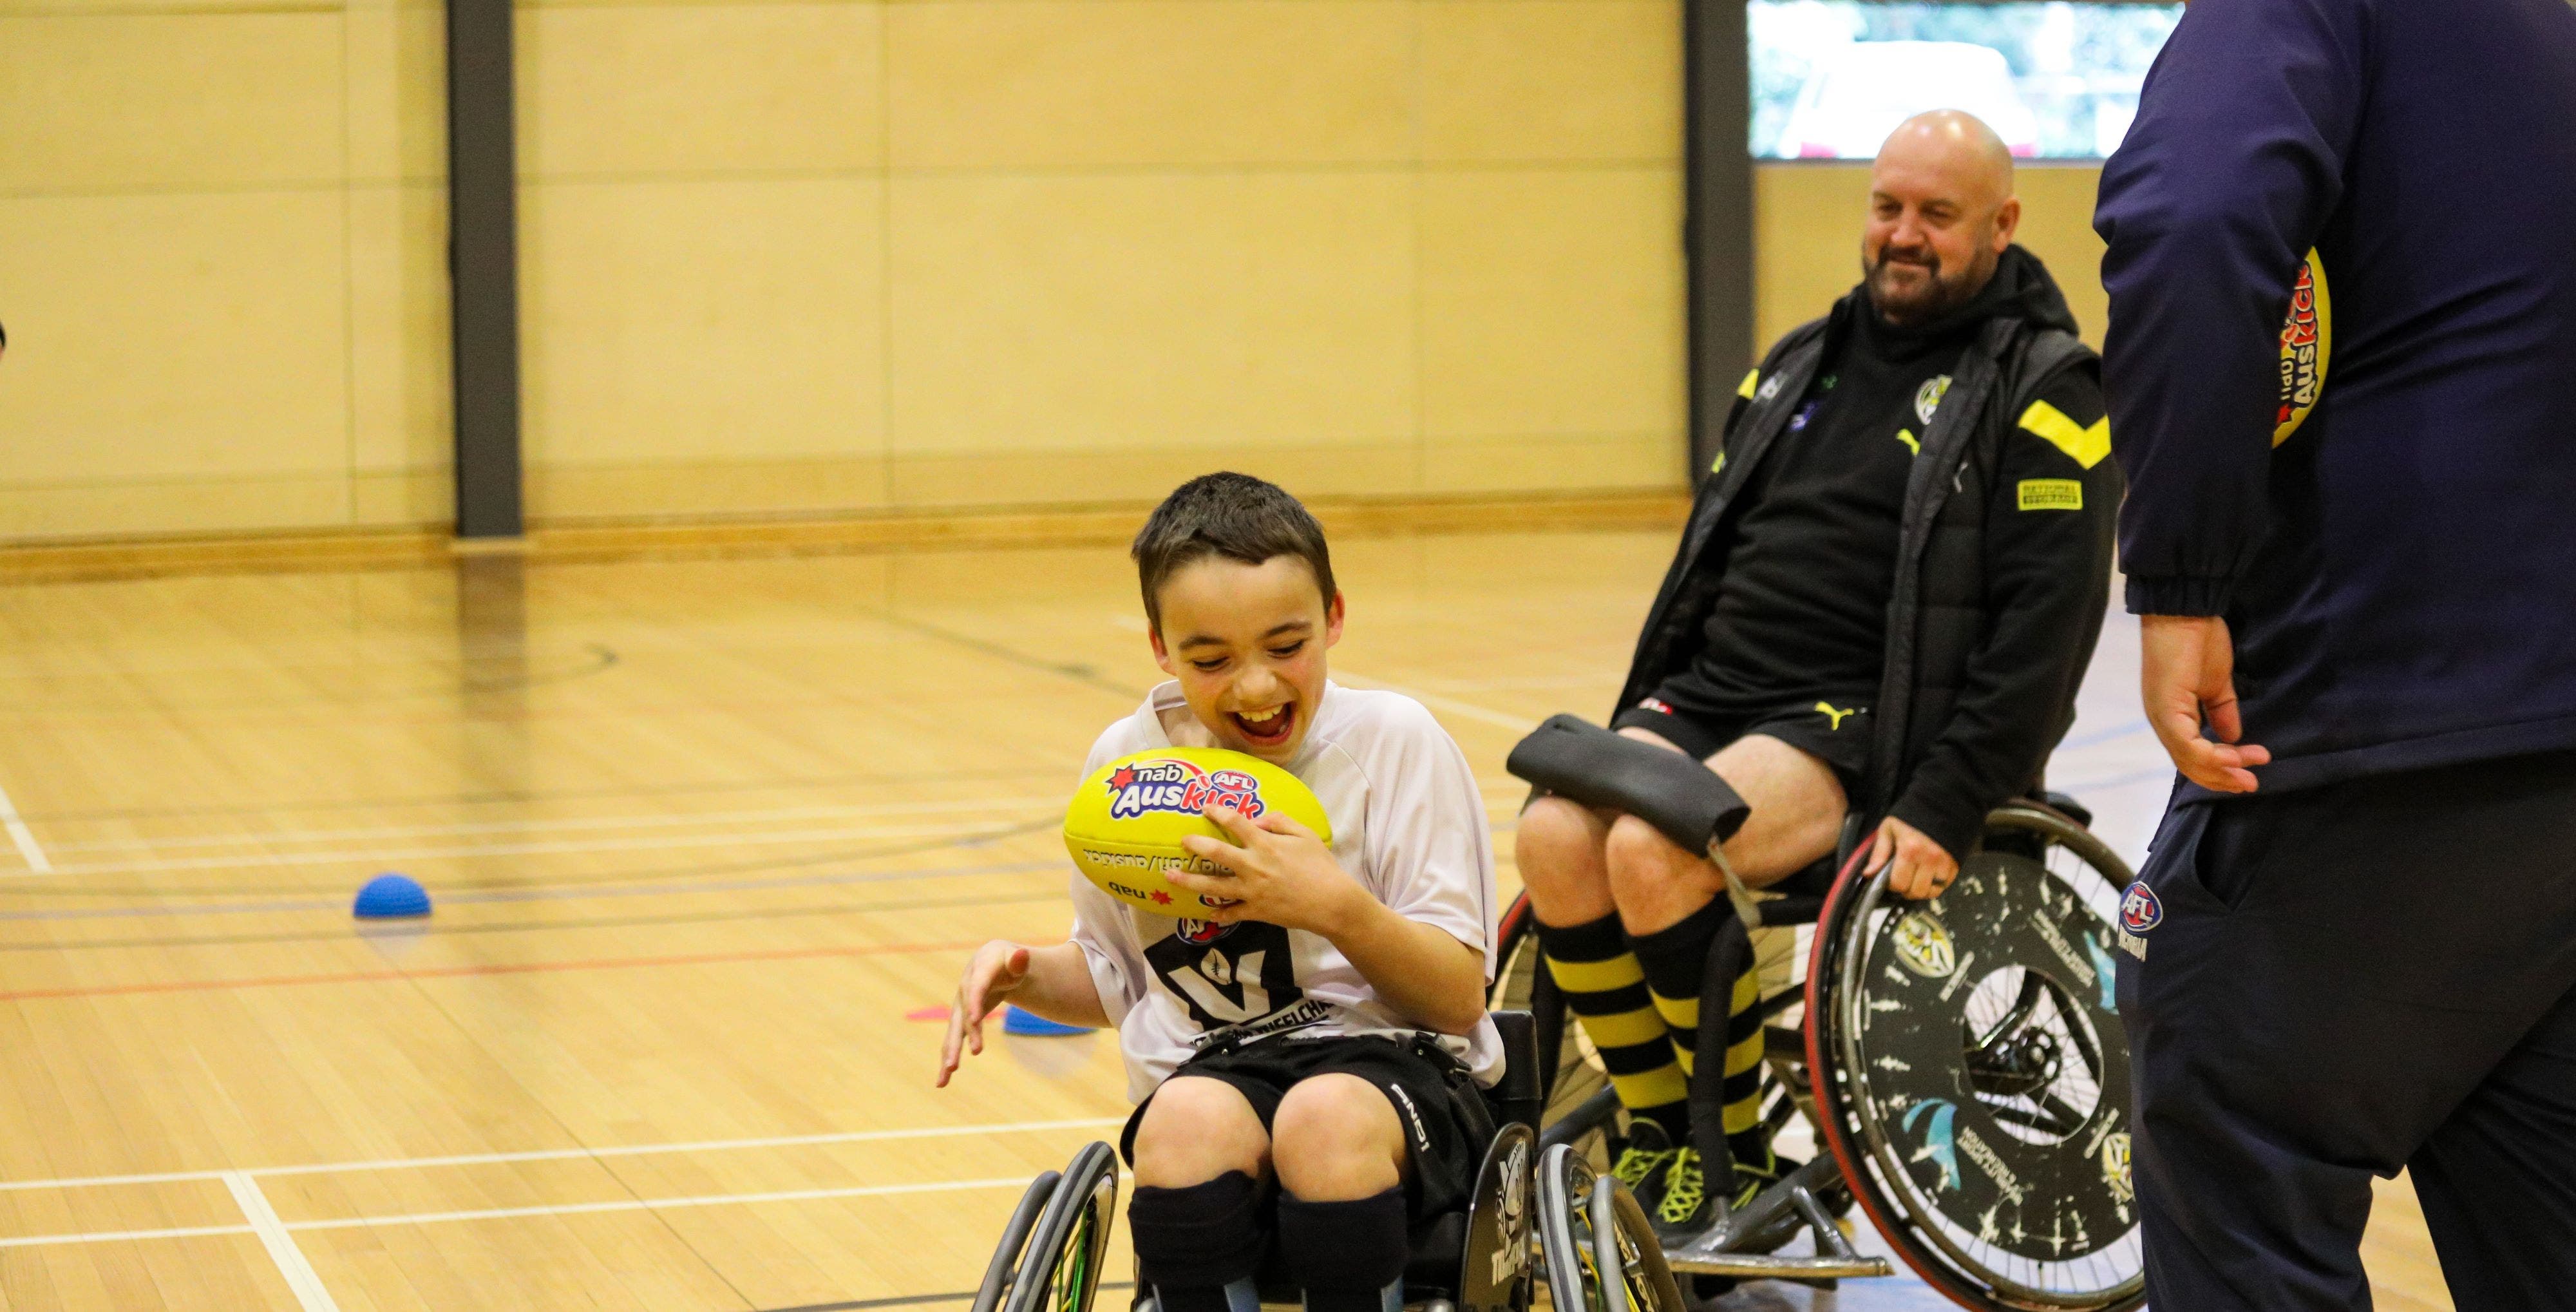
(2307, 340)
(1243, 975)
(1200, 931)
(1927, 398)
(1181, 788)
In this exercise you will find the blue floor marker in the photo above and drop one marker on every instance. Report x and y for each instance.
(391, 896)
(1016, 1021)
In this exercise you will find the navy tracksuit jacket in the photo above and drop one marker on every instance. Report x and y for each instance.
(2341, 369)
(2399, 571)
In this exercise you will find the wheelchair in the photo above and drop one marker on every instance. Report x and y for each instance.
(1531, 1216)
(1960, 1061)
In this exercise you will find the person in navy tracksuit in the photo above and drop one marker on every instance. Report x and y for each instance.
(2341, 369)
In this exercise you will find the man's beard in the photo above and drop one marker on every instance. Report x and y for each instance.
(1924, 299)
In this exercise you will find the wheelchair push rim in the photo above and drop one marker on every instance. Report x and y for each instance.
(1589, 1227)
(1052, 1264)
(1996, 1165)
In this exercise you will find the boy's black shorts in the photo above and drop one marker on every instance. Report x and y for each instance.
(1834, 732)
(1446, 1124)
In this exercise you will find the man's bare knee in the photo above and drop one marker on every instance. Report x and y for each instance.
(1558, 850)
(1655, 881)
(1196, 1130)
(1798, 807)
(1336, 1138)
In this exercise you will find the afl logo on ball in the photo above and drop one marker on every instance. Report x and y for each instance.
(1201, 931)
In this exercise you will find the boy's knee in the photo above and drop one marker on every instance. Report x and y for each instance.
(1557, 846)
(1196, 1130)
(1337, 1137)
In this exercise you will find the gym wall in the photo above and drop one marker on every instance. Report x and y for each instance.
(222, 267)
(842, 256)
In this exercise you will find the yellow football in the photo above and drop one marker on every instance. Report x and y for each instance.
(1126, 822)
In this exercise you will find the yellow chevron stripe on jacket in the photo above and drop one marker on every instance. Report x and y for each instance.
(2086, 445)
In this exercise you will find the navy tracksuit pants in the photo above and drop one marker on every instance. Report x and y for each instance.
(2344, 981)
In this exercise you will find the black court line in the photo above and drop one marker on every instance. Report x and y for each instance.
(406, 933)
(517, 796)
(911, 1300)
(19, 885)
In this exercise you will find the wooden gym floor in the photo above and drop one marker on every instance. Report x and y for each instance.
(705, 837)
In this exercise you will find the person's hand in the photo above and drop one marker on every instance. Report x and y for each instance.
(1282, 873)
(999, 968)
(1923, 868)
(2187, 669)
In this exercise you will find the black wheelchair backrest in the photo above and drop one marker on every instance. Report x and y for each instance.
(1517, 1097)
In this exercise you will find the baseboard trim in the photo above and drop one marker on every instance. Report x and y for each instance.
(584, 542)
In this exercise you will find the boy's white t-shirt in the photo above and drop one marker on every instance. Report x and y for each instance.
(1408, 824)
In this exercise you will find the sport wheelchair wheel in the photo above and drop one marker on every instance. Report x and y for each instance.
(1971, 1075)
(1050, 1255)
(1601, 1253)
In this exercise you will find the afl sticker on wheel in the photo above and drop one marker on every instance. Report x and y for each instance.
(1924, 945)
(2139, 912)
(2307, 340)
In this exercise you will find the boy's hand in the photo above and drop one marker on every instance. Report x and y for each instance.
(999, 968)
(1923, 868)
(1283, 874)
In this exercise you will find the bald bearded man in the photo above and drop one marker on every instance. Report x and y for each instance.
(1889, 588)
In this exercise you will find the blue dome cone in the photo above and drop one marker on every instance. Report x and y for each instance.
(391, 896)
(1016, 1021)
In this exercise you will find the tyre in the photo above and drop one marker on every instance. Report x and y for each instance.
(1970, 1073)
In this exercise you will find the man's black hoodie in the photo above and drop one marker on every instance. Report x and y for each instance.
(1797, 579)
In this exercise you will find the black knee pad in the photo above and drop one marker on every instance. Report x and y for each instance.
(1347, 1256)
(1682, 798)
(1204, 1236)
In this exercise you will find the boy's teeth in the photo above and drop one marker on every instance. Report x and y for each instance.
(1257, 717)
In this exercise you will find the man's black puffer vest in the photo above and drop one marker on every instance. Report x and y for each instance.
(1936, 620)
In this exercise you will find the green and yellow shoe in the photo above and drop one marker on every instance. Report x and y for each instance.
(1683, 1206)
(1642, 1161)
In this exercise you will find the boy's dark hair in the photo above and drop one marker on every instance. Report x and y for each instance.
(1232, 515)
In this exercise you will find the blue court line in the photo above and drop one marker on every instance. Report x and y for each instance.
(571, 893)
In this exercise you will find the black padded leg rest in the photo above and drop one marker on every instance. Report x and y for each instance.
(1681, 798)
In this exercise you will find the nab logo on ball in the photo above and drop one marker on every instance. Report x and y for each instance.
(1126, 822)
(1179, 788)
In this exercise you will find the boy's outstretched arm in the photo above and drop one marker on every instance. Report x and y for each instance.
(1285, 876)
(1052, 981)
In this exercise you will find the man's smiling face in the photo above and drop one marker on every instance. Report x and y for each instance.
(1247, 643)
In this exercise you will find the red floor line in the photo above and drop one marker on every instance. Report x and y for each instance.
(512, 968)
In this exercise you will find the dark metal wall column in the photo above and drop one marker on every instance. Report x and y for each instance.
(1717, 107)
(483, 267)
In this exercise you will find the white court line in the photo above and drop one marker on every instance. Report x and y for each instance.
(540, 826)
(379, 856)
(24, 837)
(310, 1294)
(561, 1154)
(506, 1213)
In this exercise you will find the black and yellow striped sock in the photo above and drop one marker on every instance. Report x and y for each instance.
(1606, 989)
(1675, 960)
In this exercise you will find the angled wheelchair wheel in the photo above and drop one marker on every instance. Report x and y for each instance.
(1602, 1255)
(1050, 1254)
(1971, 1075)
